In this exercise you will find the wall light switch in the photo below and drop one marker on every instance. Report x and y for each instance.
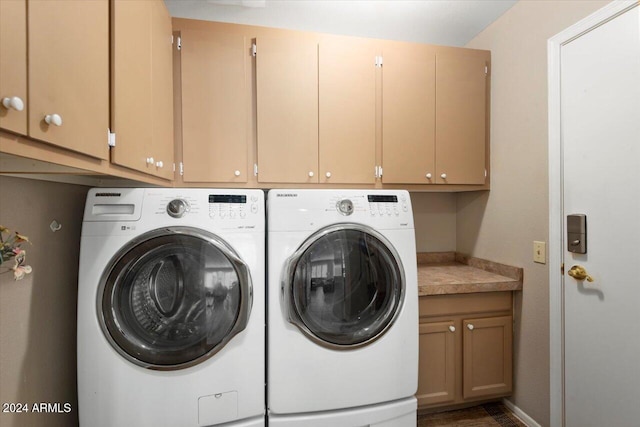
(540, 252)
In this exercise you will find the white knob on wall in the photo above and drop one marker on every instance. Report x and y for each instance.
(452, 328)
(470, 327)
(159, 164)
(150, 160)
(443, 176)
(53, 119)
(237, 173)
(328, 174)
(311, 174)
(14, 102)
(428, 175)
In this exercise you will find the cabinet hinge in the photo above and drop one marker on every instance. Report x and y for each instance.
(254, 49)
(181, 169)
(562, 269)
(179, 44)
(485, 173)
(486, 70)
(379, 173)
(255, 169)
(378, 61)
(111, 138)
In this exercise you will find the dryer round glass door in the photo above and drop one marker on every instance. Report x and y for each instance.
(173, 297)
(345, 286)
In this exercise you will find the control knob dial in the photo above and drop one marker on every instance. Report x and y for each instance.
(177, 208)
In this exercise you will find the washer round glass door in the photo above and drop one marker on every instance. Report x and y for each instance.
(173, 297)
(344, 286)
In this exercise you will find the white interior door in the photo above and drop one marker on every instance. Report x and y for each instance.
(600, 146)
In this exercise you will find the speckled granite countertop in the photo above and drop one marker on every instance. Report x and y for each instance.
(442, 273)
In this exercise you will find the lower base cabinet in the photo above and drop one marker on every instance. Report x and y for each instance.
(466, 343)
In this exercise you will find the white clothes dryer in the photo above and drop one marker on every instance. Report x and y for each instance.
(171, 308)
(342, 320)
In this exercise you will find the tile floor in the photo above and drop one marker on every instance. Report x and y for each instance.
(487, 415)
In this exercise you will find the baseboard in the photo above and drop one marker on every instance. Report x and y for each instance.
(530, 422)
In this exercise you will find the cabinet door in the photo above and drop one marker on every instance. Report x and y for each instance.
(142, 90)
(13, 65)
(436, 370)
(69, 74)
(162, 143)
(287, 104)
(408, 114)
(487, 352)
(347, 109)
(131, 84)
(461, 87)
(215, 108)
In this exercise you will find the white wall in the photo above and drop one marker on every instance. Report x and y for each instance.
(434, 216)
(501, 225)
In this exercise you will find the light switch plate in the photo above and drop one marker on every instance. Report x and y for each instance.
(540, 252)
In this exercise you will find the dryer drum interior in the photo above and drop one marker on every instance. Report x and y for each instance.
(346, 286)
(173, 299)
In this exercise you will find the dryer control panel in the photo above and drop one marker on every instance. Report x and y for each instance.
(386, 205)
(232, 206)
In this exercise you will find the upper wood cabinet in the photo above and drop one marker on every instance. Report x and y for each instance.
(347, 110)
(68, 74)
(434, 115)
(461, 115)
(316, 109)
(287, 109)
(142, 87)
(408, 113)
(13, 66)
(215, 106)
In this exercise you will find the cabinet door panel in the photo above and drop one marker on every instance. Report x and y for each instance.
(287, 98)
(408, 114)
(162, 144)
(131, 84)
(347, 99)
(461, 85)
(69, 73)
(215, 108)
(13, 63)
(487, 362)
(436, 372)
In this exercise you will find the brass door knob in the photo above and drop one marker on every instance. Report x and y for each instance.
(578, 272)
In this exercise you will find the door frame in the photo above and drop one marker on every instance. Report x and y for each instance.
(556, 220)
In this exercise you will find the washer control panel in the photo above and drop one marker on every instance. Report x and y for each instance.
(232, 206)
(383, 205)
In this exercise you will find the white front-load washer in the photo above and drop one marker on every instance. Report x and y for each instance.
(171, 321)
(342, 320)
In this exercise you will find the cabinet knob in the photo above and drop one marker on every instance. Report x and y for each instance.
(311, 174)
(328, 174)
(159, 164)
(150, 160)
(53, 119)
(428, 175)
(470, 327)
(237, 173)
(14, 102)
(452, 328)
(443, 175)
